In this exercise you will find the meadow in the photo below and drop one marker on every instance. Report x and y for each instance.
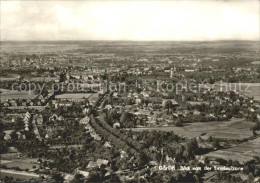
(242, 153)
(22, 163)
(9, 95)
(236, 129)
(249, 89)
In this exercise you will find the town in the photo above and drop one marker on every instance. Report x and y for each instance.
(117, 116)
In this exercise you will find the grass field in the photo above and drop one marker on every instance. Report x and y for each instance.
(92, 97)
(233, 129)
(18, 175)
(5, 95)
(40, 108)
(73, 95)
(242, 153)
(249, 89)
(21, 163)
(8, 78)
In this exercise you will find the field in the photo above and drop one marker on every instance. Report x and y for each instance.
(233, 129)
(8, 79)
(249, 89)
(18, 175)
(92, 97)
(73, 96)
(242, 153)
(39, 108)
(8, 94)
(21, 163)
(11, 161)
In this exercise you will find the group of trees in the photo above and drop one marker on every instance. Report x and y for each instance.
(70, 133)
(127, 120)
(133, 143)
(75, 110)
(215, 142)
(120, 140)
(68, 158)
(172, 145)
(168, 105)
(108, 135)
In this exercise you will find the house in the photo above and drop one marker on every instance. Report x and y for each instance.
(97, 163)
(85, 111)
(84, 173)
(60, 118)
(6, 104)
(95, 135)
(212, 115)
(26, 120)
(20, 135)
(13, 103)
(145, 94)
(39, 119)
(115, 95)
(129, 95)
(223, 111)
(196, 112)
(7, 136)
(54, 117)
(138, 100)
(116, 125)
(49, 133)
(189, 70)
(174, 103)
(84, 121)
(135, 95)
(107, 144)
(258, 117)
(108, 107)
(192, 103)
(58, 103)
(123, 154)
(27, 114)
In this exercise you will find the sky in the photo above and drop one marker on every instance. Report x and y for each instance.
(143, 20)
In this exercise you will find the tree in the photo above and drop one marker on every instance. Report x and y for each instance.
(250, 178)
(210, 139)
(78, 178)
(127, 120)
(57, 177)
(96, 176)
(191, 148)
(168, 105)
(112, 179)
(179, 122)
(1, 126)
(216, 143)
(19, 124)
(123, 117)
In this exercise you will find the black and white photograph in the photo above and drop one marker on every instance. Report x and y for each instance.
(129, 91)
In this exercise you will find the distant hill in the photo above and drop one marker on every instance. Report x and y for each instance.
(132, 47)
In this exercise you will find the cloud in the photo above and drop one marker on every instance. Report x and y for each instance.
(129, 20)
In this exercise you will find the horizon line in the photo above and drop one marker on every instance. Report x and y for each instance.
(133, 40)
